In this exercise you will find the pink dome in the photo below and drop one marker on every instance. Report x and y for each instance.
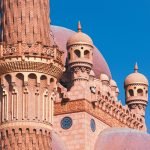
(122, 139)
(79, 37)
(136, 78)
(62, 35)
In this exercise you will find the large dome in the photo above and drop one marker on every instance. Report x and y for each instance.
(122, 139)
(61, 35)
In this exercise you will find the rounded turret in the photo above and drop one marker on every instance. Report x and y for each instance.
(136, 89)
(80, 54)
(80, 48)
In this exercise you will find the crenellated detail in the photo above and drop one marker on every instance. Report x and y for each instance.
(36, 50)
(99, 95)
(25, 138)
(111, 113)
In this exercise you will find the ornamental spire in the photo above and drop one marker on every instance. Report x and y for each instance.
(79, 27)
(136, 68)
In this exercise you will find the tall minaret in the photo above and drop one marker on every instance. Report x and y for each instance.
(29, 70)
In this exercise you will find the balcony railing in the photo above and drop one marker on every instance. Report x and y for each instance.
(30, 50)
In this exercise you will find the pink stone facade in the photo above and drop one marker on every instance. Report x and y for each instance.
(80, 134)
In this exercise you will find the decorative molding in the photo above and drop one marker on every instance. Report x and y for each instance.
(117, 120)
(31, 66)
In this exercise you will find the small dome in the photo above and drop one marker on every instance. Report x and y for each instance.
(79, 38)
(113, 83)
(136, 77)
(121, 139)
(104, 77)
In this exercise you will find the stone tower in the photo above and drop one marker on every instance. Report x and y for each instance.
(29, 69)
(136, 88)
(80, 54)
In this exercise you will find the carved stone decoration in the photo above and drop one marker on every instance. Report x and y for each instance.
(113, 119)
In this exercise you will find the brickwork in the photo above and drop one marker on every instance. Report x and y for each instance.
(79, 136)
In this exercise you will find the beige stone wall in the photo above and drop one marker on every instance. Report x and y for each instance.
(79, 136)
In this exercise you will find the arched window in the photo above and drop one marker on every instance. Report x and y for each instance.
(131, 92)
(32, 79)
(8, 78)
(20, 79)
(77, 54)
(140, 92)
(43, 81)
(86, 54)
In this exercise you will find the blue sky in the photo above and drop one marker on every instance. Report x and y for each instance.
(119, 28)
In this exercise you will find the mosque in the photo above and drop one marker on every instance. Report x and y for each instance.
(56, 89)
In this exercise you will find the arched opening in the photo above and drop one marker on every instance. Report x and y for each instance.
(51, 80)
(43, 81)
(77, 54)
(131, 93)
(139, 92)
(52, 83)
(86, 54)
(8, 79)
(20, 79)
(32, 79)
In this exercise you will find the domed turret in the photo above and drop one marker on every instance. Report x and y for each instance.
(80, 54)
(80, 38)
(136, 88)
(136, 77)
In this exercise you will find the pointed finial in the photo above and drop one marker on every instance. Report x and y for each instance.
(79, 27)
(136, 68)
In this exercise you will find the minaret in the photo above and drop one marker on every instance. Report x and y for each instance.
(29, 70)
(80, 52)
(136, 88)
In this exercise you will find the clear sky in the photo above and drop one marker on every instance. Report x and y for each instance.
(120, 29)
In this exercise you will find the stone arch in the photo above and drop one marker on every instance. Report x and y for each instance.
(131, 92)
(43, 81)
(32, 79)
(86, 54)
(8, 79)
(77, 54)
(20, 79)
(140, 92)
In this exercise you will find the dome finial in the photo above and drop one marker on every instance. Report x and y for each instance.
(79, 26)
(136, 68)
